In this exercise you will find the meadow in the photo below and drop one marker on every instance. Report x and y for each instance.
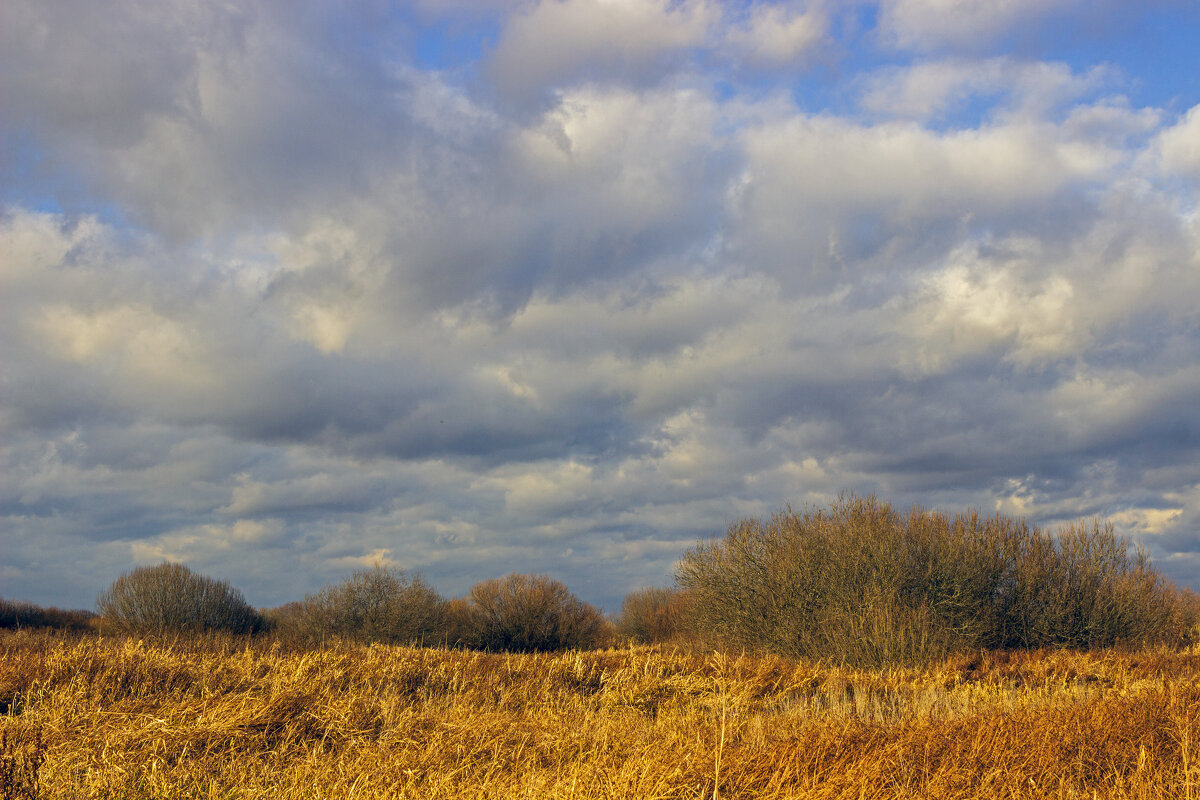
(230, 717)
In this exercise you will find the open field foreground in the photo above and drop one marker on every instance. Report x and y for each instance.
(117, 718)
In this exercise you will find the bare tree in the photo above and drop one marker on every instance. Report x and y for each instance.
(531, 613)
(372, 605)
(170, 598)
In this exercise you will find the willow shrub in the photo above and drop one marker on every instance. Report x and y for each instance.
(531, 613)
(862, 583)
(379, 604)
(171, 599)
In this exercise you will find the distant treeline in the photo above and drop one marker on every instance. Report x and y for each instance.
(27, 615)
(858, 583)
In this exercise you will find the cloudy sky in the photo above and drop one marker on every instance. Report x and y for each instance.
(291, 287)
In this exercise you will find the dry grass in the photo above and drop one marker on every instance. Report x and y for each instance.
(118, 718)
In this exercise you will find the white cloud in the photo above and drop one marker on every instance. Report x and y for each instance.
(206, 543)
(928, 24)
(776, 36)
(557, 43)
(930, 89)
(1179, 146)
(823, 198)
(969, 308)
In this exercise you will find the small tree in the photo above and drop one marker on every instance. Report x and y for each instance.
(170, 598)
(532, 613)
(372, 605)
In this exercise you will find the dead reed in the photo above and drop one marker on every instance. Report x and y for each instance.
(228, 718)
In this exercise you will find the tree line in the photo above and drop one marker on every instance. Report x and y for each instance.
(858, 582)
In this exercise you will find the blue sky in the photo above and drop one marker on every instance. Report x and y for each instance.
(563, 286)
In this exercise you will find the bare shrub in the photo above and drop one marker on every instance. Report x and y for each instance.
(170, 598)
(372, 605)
(653, 615)
(863, 584)
(532, 613)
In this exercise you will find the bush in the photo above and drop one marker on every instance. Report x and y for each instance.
(170, 598)
(372, 605)
(532, 613)
(460, 625)
(653, 615)
(864, 584)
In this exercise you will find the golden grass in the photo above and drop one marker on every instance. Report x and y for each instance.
(117, 718)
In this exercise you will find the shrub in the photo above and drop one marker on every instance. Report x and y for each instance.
(532, 613)
(460, 624)
(862, 583)
(372, 605)
(653, 615)
(170, 598)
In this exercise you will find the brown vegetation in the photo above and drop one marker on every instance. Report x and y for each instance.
(15, 616)
(862, 583)
(655, 616)
(219, 718)
(372, 605)
(531, 614)
(170, 599)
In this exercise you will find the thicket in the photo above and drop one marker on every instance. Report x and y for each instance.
(169, 598)
(862, 583)
(372, 605)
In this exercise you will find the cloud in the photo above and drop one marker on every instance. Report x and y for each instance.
(282, 306)
(776, 36)
(969, 310)
(1179, 146)
(931, 89)
(823, 197)
(961, 24)
(558, 43)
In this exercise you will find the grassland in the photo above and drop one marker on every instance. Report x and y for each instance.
(120, 718)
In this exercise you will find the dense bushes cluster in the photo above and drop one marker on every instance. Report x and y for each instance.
(859, 583)
(866, 584)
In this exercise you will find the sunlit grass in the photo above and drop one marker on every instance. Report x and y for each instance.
(216, 718)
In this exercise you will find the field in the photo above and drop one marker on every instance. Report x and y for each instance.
(212, 718)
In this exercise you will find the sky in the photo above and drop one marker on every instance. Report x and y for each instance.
(290, 288)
